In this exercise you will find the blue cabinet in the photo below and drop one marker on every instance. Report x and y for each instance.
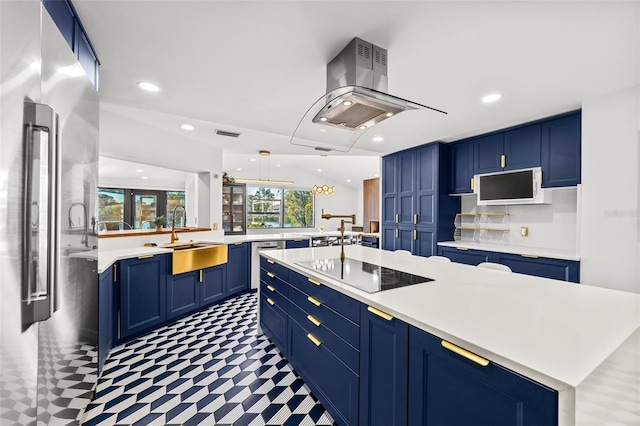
(384, 369)
(302, 243)
(466, 256)
(369, 241)
(557, 269)
(183, 293)
(522, 147)
(561, 151)
(449, 389)
(106, 323)
(487, 153)
(214, 285)
(461, 167)
(238, 268)
(416, 201)
(142, 294)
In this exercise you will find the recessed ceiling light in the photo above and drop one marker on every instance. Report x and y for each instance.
(323, 130)
(144, 177)
(139, 170)
(277, 165)
(323, 119)
(347, 103)
(491, 98)
(187, 127)
(376, 175)
(378, 139)
(348, 180)
(389, 114)
(362, 127)
(319, 170)
(253, 159)
(239, 168)
(149, 87)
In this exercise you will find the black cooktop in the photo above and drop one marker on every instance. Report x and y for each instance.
(362, 275)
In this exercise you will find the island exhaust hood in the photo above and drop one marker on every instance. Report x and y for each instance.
(356, 100)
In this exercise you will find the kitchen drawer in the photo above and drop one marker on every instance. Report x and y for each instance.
(328, 378)
(273, 321)
(341, 326)
(369, 242)
(340, 303)
(275, 282)
(341, 349)
(274, 267)
(302, 243)
(275, 295)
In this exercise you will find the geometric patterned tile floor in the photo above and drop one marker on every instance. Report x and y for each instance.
(210, 368)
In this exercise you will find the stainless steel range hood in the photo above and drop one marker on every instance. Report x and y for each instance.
(356, 100)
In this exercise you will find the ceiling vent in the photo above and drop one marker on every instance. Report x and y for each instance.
(227, 133)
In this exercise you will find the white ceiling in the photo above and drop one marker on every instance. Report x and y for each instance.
(256, 66)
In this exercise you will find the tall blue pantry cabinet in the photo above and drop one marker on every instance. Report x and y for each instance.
(417, 211)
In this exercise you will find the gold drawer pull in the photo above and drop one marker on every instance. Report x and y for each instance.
(531, 256)
(314, 301)
(379, 313)
(473, 181)
(313, 320)
(462, 248)
(465, 353)
(271, 302)
(397, 217)
(314, 339)
(311, 280)
(200, 275)
(237, 244)
(271, 261)
(271, 288)
(271, 274)
(147, 256)
(503, 161)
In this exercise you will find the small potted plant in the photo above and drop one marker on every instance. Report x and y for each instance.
(321, 228)
(160, 222)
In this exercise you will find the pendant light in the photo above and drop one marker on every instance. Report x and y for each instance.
(264, 153)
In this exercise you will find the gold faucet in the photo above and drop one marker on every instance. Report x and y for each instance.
(341, 229)
(174, 236)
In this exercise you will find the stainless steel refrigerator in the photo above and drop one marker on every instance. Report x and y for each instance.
(49, 114)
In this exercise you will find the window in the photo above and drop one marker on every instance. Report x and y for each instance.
(120, 208)
(279, 208)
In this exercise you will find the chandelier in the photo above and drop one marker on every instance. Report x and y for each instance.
(324, 190)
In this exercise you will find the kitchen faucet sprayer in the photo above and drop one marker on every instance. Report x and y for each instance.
(342, 217)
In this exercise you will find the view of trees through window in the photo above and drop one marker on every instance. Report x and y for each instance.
(121, 208)
(279, 208)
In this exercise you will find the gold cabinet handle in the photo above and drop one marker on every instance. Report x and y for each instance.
(271, 274)
(465, 353)
(473, 184)
(415, 234)
(397, 216)
(415, 219)
(271, 288)
(396, 232)
(313, 320)
(531, 256)
(503, 160)
(314, 339)
(147, 256)
(271, 302)
(379, 313)
(200, 275)
(311, 280)
(270, 261)
(462, 248)
(314, 301)
(115, 272)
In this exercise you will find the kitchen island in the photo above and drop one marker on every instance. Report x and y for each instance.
(581, 341)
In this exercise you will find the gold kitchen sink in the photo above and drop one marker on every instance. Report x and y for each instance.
(188, 257)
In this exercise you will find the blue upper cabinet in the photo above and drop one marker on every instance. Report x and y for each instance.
(522, 147)
(426, 195)
(406, 187)
(561, 151)
(389, 190)
(461, 167)
(487, 153)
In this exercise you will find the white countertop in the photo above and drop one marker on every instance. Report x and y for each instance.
(107, 257)
(551, 331)
(533, 251)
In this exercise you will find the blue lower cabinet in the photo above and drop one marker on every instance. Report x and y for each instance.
(106, 323)
(468, 257)
(214, 285)
(557, 269)
(273, 321)
(384, 368)
(303, 243)
(238, 267)
(367, 241)
(183, 293)
(425, 241)
(389, 237)
(142, 294)
(335, 384)
(448, 389)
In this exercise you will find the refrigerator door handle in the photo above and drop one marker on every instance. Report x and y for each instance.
(40, 241)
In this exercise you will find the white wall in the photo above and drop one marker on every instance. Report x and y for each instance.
(609, 238)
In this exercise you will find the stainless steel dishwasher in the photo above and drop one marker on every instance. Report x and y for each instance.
(255, 257)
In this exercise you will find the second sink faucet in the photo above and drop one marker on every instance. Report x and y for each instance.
(174, 236)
